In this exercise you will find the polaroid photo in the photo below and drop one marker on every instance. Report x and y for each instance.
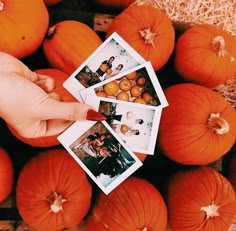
(100, 152)
(138, 85)
(136, 124)
(113, 56)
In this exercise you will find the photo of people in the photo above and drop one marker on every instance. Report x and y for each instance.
(102, 154)
(112, 60)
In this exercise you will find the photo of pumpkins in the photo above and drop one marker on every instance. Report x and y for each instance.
(189, 184)
(135, 87)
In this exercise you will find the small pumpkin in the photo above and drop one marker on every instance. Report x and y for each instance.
(148, 30)
(6, 174)
(48, 141)
(199, 199)
(115, 4)
(133, 205)
(198, 127)
(68, 44)
(23, 24)
(206, 55)
(48, 196)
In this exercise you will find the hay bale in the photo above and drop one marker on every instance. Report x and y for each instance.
(187, 13)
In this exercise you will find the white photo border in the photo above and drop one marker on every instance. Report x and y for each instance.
(94, 101)
(75, 131)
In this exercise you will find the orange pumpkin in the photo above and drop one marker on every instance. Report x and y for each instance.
(124, 128)
(48, 141)
(115, 4)
(6, 174)
(23, 24)
(198, 126)
(133, 205)
(51, 2)
(111, 88)
(148, 30)
(206, 55)
(142, 156)
(48, 196)
(200, 199)
(68, 44)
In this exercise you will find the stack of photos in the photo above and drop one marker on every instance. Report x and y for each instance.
(116, 81)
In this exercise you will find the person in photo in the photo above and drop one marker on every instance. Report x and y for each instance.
(112, 72)
(97, 76)
(127, 118)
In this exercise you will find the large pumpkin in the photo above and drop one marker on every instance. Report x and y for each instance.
(6, 174)
(53, 191)
(198, 126)
(23, 25)
(148, 30)
(115, 4)
(206, 55)
(48, 141)
(200, 199)
(68, 44)
(133, 205)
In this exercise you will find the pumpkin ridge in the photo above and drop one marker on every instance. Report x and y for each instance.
(104, 212)
(152, 221)
(147, 219)
(137, 211)
(122, 202)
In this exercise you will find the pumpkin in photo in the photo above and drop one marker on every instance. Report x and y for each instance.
(134, 205)
(53, 191)
(48, 141)
(23, 25)
(68, 44)
(124, 128)
(200, 199)
(111, 88)
(148, 30)
(115, 4)
(206, 55)
(124, 96)
(198, 127)
(6, 174)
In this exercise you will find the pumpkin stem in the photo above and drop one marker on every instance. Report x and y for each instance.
(56, 201)
(51, 31)
(217, 124)
(148, 36)
(228, 91)
(1, 5)
(211, 210)
(218, 44)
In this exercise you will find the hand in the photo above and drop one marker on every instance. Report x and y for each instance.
(28, 104)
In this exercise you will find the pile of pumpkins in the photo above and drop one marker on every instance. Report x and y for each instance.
(196, 129)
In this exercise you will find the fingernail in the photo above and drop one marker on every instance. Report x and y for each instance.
(94, 115)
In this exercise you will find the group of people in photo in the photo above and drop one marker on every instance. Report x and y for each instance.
(105, 71)
(106, 149)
